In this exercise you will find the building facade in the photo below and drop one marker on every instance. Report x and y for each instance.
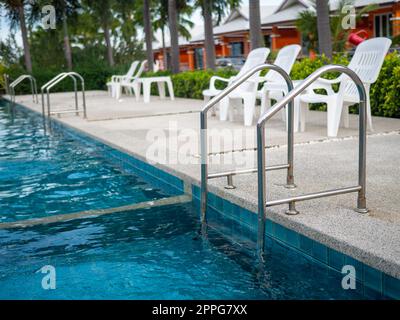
(279, 29)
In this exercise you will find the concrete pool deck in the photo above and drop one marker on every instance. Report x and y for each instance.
(320, 164)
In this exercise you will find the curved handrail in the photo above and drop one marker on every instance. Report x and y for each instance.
(361, 201)
(68, 74)
(203, 125)
(51, 82)
(18, 81)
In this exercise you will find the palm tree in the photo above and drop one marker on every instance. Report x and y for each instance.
(324, 29)
(208, 34)
(148, 33)
(173, 30)
(256, 40)
(16, 12)
(101, 10)
(65, 9)
(208, 8)
(184, 23)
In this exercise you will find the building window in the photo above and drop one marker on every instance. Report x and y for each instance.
(267, 41)
(383, 25)
(198, 58)
(237, 49)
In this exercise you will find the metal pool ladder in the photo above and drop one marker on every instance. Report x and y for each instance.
(261, 168)
(60, 77)
(18, 81)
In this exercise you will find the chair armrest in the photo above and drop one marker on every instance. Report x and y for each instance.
(215, 78)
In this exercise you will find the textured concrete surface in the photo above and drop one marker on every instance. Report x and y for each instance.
(320, 164)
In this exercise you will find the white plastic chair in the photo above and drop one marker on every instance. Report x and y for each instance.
(131, 83)
(247, 91)
(275, 86)
(367, 63)
(112, 85)
(254, 58)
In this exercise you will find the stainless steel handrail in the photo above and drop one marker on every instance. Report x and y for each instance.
(360, 188)
(52, 81)
(58, 80)
(7, 83)
(203, 125)
(18, 81)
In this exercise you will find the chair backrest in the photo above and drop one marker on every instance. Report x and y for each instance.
(141, 69)
(132, 69)
(256, 57)
(367, 63)
(285, 59)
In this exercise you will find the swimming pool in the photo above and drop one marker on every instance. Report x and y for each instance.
(48, 173)
(155, 253)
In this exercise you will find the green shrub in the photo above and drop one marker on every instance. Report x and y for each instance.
(384, 94)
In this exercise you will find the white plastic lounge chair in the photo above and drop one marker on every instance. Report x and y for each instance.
(366, 62)
(275, 86)
(118, 78)
(246, 92)
(254, 58)
(131, 83)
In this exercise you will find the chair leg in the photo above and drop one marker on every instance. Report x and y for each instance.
(345, 117)
(369, 114)
(136, 90)
(223, 109)
(303, 106)
(265, 103)
(161, 89)
(249, 106)
(118, 92)
(334, 114)
(171, 90)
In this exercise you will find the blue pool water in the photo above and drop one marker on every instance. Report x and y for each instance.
(47, 174)
(153, 253)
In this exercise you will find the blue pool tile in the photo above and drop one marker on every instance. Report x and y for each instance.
(269, 227)
(320, 252)
(280, 232)
(373, 279)
(391, 287)
(211, 199)
(293, 238)
(236, 210)
(306, 244)
(196, 191)
(219, 204)
(335, 259)
(227, 208)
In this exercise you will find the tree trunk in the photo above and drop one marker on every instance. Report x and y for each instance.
(27, 51)
(165, 53)
(173, 30)
(67, 45)
(209, 44)
(324, 29)
(256, 39)
(148, 34)
(107, 37)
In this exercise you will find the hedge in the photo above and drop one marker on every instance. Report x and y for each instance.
(385, 93)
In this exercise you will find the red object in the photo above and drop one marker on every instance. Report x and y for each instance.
(356, 39)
